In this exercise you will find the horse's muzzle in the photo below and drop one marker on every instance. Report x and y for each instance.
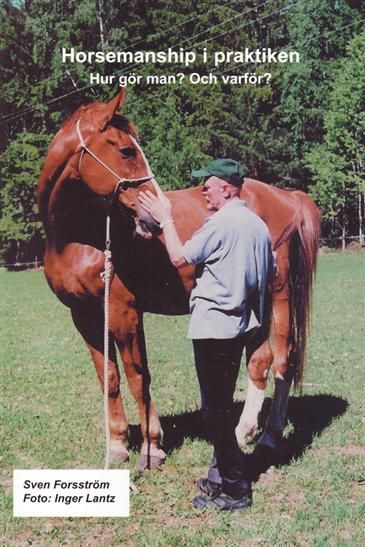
(146, 225)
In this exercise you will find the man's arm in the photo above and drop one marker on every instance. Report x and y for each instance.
(173, 244)
(160, 209)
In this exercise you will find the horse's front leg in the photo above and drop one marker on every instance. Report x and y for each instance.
(90, 323)
(127, 326)
(283, 375)
(133, 353)
(259, 358)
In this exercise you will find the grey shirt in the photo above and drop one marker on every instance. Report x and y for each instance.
(234, 260)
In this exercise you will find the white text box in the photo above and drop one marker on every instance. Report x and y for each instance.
(71, 493)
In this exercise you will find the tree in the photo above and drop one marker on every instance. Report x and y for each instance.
(17, 68)
(171, 148)
(272, 128)
(21, 163)
(320, 30)
(338, 165)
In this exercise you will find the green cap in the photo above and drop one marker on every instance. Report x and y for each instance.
(231, 171)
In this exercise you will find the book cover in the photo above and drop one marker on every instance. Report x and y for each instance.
(280, 87)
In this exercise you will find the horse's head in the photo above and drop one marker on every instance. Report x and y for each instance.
(109, 160)
(112, 161)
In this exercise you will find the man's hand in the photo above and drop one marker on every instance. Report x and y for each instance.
(158, 207)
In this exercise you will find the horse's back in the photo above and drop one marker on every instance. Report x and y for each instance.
(276, 206)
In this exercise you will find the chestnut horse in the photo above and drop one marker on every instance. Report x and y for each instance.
(97, 148)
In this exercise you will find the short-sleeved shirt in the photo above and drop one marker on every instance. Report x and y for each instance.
(232, 252)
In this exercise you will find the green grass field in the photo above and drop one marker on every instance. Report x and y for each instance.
(52, 417)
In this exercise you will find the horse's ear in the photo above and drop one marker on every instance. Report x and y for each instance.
(112, 107)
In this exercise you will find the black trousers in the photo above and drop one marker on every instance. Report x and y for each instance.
(217, 364)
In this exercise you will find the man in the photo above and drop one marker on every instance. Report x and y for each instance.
(232, 252)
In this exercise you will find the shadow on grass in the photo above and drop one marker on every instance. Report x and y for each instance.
(310, 415)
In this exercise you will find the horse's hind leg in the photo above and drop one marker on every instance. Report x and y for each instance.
(259, 357)
(90, 323)
(283, 375)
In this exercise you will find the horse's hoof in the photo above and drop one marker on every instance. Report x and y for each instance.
(117, 452)
(151, 462)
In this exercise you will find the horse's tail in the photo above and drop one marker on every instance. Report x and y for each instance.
(303, 240)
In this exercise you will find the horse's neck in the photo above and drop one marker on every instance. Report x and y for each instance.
(189, 210)
(77, 216)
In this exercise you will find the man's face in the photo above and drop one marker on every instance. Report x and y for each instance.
(213, 191)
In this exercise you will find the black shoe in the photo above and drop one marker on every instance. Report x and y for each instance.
(222, 502)
(208, 487)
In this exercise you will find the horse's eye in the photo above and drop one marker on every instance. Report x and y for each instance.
(128, 152)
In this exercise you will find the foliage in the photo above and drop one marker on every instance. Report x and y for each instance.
(320, 30)
(338, 164)
(17, 66)
(271, 127)
(173, 152)
(21, 164)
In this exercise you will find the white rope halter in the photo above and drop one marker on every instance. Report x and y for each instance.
(120, 180)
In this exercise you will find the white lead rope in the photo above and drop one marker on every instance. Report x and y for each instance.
(107, 270)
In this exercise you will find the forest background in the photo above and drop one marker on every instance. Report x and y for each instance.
(304, 129)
